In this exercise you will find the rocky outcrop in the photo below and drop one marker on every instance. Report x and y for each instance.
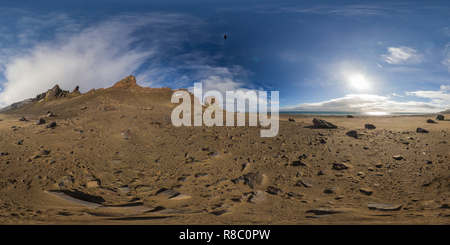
(319, 123)
(127, 83)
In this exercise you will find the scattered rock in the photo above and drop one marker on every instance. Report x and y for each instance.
(199, 175)
(23, 119)
(369, 126)
(321, 211)
(163, 120)
(245, 166)
(299, 163)
(40, 121)
(274, 190)
(366, 191)
(430, 121)
(19, 142)
(427, 161)
(43, 152)
(421, 130)
(291, 120)
(215, 154)
(251, 179)
(257, 196)
(51, 125)
(340, 166)
(440, 117)
(330, 190)
(126, 133)
(353, 134)
(397, 157)
(319, 123)
(306, 182)
(384, 207)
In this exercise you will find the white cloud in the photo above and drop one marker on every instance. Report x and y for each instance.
(397, 95)
(401, 55)
(367, 103)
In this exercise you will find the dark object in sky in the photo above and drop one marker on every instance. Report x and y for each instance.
(225, 36)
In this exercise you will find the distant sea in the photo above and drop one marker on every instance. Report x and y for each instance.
(349, 113)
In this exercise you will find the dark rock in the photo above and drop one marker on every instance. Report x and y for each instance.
(319, 123)
(353, 134)
(23, 119)
(321, 211)
(274, 190)
(51, 125)
(421, 130)
(350, 116)
(340, 166)
(440, 117)
(427, 161)
(369, 126)
(367, 191)
(384, 207)
(40, 121)
(291, 120)
(199, 175)
(299, 163)
(19, 142)
(330, 190)
(430, 121)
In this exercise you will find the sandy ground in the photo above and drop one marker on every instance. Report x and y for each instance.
(84, 171)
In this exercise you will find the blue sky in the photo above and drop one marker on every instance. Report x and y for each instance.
(320, 55)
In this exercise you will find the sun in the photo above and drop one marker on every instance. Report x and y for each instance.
(359, 82)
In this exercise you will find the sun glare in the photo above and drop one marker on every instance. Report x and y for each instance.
(359, 82)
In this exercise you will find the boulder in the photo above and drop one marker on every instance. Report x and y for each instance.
(430, 121)
(369, 126)
(40, 121)
(421, 130)
(291, 120)
(350, 116)
(319, 123)
(51, 125)
(23, 119)
(353, 134)
(440, 117)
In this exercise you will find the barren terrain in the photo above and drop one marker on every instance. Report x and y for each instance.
(111, 159)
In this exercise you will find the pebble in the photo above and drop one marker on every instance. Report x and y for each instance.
(126, 133)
